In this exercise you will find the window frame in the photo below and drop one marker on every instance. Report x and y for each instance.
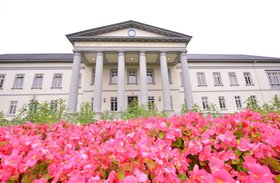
(150, 71)
(92, 79)
(38, 86)
(238, 102)
(18, 82)
(217, 77)
(13, 107)
(201, 80)
(128, 76)
(114, 72)
(169, 75)
(222, 102)
(151, 103)
(273, 77)
(248, 78)
(56, 78)
(114, 104)
(2, 80)
(233, 81)
(205, 103)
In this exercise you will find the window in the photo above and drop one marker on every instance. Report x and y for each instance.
(205, 105)
(254, 100)
(273, 77)
(18, 81)
(92, 76)
(169, 76)
(92, 99)
(232, 79)
(114, 104)
(201, 79)
(150, 76)
(217, 79)
(222, 102)
(114, 76)
(57, 81)
(38, 81)
(151, 103)
(53, 105)
(238, 102)
(2, 79)
(248, 78)
(13, 107)
(132, 79)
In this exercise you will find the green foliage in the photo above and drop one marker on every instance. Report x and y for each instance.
(108, 116)
(83, 116)
(213, 110)
(184, 108)
(196, 108)
(272, 106)
(135, 110)
(42, 112)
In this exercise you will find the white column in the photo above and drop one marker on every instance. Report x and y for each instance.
(186, 81)
(121, 82)
(98, 83)
(165, 82)
(74, 85)
(143, 79)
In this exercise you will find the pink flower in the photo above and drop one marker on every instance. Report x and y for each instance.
(259, 174)
(244, 145)
(222, 176)
(130, 179)
(77, 179)
(141, 177)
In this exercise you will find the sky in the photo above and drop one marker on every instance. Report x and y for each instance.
(249, 27)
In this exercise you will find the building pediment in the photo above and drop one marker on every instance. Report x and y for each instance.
(129, 31)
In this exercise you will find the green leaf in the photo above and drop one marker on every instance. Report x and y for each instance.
(277, 178)
(149, 163)
(236, 161)
(177, 143)
(182, 176)
(272, 163)
(161, 134)
(121, 174)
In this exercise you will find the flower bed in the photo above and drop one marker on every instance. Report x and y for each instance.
(244, 147)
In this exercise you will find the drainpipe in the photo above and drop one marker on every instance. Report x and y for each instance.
(254, 66)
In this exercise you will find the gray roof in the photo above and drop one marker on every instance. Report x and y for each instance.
(68, 57)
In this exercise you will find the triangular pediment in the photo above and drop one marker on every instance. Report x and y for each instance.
(128, 31)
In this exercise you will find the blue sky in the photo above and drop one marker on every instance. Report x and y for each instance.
(218, 26)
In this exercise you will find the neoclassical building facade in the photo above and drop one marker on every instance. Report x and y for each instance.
(115, 64)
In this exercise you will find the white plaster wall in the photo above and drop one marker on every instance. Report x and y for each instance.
(123, 33)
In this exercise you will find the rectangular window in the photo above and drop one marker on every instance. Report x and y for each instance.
(114, 76)
(38, 81)
(114, 104)
(273, 77)
(18, 83)
(238, 102)
(92, 99)
(248, 78)
(201, 79)
(205, 105)
(57, 81)
(169, 76)
(132, 79)
(13, 107)
(151, 102)
(217, 79)
(92, 76)
(150, 76)
(254, 100)
(222, 102)
(232, 79)
(2, 79)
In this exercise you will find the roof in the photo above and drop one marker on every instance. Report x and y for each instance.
(68, 57)
(93, 34)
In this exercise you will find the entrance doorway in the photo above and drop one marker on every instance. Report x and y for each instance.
(131, 99)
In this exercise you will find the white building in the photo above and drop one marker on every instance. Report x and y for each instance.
(114, 64)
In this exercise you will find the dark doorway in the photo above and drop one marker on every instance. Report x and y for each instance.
(131, 99)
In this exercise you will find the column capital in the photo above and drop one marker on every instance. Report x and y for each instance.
(76, 52)
(99, 53)
(183, 54)
(162, 53)
(142, 53)
(121, 53)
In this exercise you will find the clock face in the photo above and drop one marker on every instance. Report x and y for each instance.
(131, 32)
